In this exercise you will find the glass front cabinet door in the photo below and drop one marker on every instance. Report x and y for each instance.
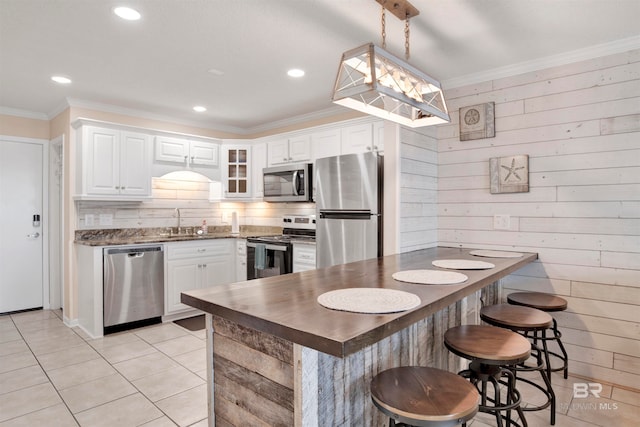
(237, 172)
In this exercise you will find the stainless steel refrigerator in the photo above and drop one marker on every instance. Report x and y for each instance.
(348, 195)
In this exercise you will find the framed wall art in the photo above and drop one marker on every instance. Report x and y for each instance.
(477, 122)
(509, 174)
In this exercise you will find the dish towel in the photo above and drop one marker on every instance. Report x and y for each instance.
(261, 256)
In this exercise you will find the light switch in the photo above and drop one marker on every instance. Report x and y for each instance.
(501, 222)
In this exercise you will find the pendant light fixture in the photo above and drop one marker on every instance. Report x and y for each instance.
(374, 81)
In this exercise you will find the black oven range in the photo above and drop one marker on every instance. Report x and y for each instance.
(273, 255)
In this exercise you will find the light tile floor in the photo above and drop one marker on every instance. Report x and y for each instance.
(51, 375)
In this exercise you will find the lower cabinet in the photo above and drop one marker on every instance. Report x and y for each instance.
(304, 257)
(241, 261)
(195, 265)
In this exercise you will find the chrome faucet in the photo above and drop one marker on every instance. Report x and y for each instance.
(178, 214)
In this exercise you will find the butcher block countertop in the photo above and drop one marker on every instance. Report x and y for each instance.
(286, 306)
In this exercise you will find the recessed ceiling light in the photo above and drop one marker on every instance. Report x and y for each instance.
(295, 72)
(127, 13)
(61, 79)
(215, 71)
(199, 109)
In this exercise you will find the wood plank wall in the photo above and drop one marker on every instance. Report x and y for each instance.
(253, 377)
(580, 126)
(418, 189)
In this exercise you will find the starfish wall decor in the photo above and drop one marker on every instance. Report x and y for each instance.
(509, 174)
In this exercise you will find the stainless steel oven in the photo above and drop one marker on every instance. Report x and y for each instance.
(267, 257)
(273, 255)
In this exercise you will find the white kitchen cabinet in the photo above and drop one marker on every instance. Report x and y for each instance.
(290, 150)
(241, 260)
(304, 256)
(196, 265)
(258, 162)
(114, 164)
(378, 137)
(357, 139)
(189, 153)
(326, 144)
(237, 171)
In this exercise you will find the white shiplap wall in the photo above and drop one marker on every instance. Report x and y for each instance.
(418, 189)
(192, 196)
(580, 126)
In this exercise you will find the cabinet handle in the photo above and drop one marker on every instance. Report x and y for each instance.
(192, 159)
(284, 160)
(375, 147)
(202, 250)
(368, 148)
(185, 159)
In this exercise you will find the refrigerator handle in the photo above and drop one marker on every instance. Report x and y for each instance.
(295, 182)
(360, 214)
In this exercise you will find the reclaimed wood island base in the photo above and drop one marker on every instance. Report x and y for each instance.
(278, 358)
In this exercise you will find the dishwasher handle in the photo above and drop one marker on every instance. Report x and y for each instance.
(133, 252)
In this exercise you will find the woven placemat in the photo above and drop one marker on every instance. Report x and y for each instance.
(462, 264)
(369, 300)
(495, 254)
(430, 277)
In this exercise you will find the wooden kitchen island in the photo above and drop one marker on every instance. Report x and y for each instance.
(277, 357)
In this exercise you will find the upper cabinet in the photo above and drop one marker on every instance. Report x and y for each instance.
(363, 138)
(236, 174)
(326, 143)
(290, 150)
(258, 163)
(186, 152)
(113, 164)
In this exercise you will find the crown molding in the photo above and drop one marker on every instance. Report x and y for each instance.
(108, 108)
(23, 113)
(592, 52)
(316, 115)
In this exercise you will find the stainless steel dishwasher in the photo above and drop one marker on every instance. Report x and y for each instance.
(133, 284)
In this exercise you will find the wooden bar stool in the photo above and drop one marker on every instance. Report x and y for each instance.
(547, 303)
(420, 396)
(527, 320)
(491, 351)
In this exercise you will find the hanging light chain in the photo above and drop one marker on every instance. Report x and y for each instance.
(384, 30)
(406, 38)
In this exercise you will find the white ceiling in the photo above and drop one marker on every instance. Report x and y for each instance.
(159, 65)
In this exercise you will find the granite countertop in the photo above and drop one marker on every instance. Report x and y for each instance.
(132, 236)
(286, 306)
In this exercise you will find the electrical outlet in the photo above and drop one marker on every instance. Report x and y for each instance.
(89, 220)
(106, 219)
(225, 217)
(501, 222)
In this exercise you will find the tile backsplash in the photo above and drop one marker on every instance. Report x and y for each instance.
(193, 196)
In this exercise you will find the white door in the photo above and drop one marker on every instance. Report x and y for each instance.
(21, 247)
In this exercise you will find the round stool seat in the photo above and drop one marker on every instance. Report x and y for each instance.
(515, 317)
(539, 300)
(488, 344)
(421, 396)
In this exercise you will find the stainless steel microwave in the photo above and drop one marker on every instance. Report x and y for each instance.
(288, 183)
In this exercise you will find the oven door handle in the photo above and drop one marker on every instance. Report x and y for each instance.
(282, 248)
